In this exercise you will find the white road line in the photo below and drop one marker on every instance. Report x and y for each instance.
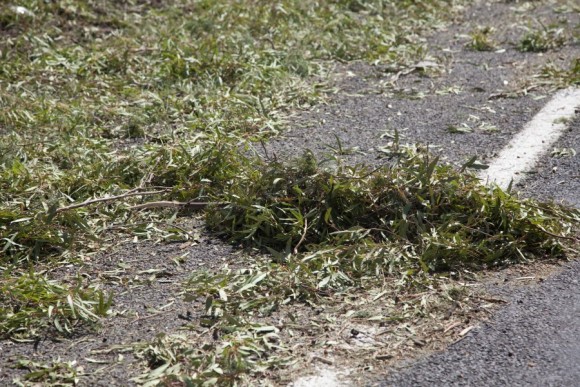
(525, 149)
(328, 377)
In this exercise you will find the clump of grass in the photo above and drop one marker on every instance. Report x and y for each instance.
(459, 129)
(301, 208)
(561, 77)
(242, 353)
(30, 304)
(481, 40)
(55, 373)
(543, 39)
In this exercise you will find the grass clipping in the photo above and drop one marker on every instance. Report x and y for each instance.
(340, 231)
(441, 217)
(344, 228)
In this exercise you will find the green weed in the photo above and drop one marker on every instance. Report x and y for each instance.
(481, 40)
(561, 77)
(544, 39)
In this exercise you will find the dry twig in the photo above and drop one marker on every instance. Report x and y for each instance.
(303, 236)
(175, 204)
(133, 192)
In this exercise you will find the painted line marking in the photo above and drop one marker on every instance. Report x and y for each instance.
(327, 377)
(524, 150)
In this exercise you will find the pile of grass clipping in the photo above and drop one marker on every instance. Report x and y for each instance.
(328, 225)
(341, 231)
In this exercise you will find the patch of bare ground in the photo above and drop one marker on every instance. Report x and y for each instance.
(146, 279)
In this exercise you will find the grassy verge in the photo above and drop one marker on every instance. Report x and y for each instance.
(132, 101)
